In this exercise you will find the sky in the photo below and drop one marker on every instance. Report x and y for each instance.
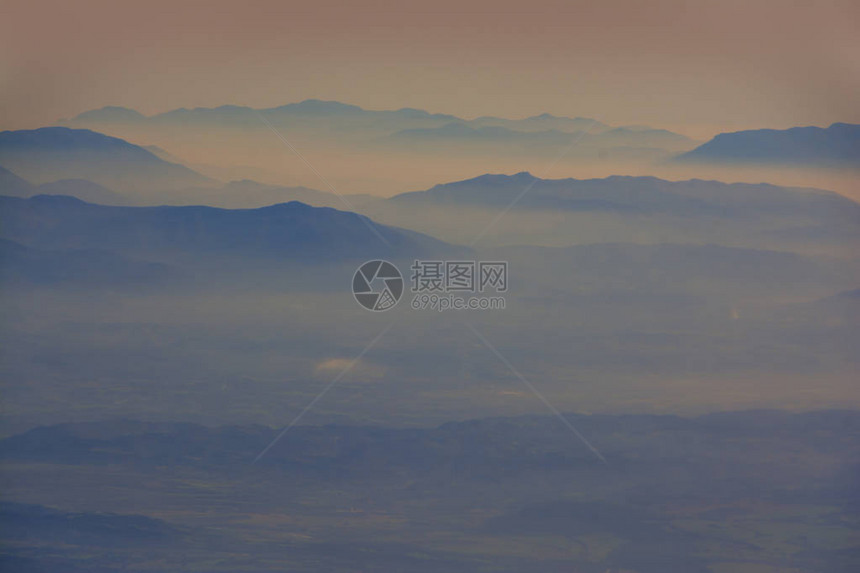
(696, 67)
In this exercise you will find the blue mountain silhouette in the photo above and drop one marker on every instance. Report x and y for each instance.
(51, 153)
(834, 146)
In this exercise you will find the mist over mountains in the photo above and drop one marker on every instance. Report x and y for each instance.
(150, 297)
(231, 195)
(626, 209)
(379, 152)
(620, 143)
(449, 287)
(552, 212)
(162, 327)
(384, 152)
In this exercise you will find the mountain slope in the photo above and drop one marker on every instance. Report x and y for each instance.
(90, 268)
(14, 186)
(248, 194)
(83, 190)
(111, 114)
(290, 230)
(51, 153)
(834, 146)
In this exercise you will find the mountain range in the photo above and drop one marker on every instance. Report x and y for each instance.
(551, 212)
(349, 124)
(319, 110)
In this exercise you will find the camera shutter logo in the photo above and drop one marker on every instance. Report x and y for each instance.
(377, 285)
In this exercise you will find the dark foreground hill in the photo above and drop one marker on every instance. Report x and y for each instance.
(733, 490)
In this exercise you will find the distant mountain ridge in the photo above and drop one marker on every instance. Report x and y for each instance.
(834, 146)
(352, 116)
(631, 194)
(305, 107)
(13, 186)
(111, 113)
(242, 194)
(50, 153)
(633, 209)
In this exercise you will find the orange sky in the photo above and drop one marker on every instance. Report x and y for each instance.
(697, 67)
